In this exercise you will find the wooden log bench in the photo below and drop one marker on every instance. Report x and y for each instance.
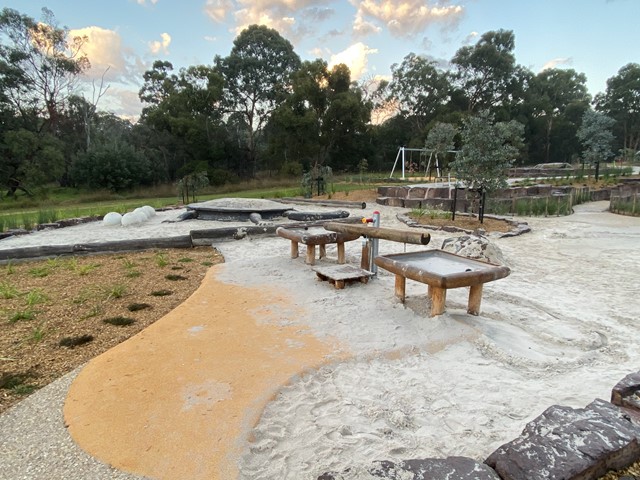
(442, 270)
(315, 237)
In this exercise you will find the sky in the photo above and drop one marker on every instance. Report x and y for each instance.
(594, 37)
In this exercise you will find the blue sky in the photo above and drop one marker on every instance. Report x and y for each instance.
(595, 37)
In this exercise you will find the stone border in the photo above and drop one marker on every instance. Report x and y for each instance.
(518, 228)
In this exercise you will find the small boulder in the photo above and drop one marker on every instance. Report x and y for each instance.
(476, 247)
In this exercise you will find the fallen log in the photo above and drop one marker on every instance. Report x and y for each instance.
(182, 241)
(323, 203)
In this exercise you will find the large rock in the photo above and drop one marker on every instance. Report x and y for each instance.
(626, 393)
(476, 247)
(570, 444)
(452, 468)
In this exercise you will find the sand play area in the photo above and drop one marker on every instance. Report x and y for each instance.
(267, 373)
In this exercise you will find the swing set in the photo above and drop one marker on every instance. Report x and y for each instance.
(412, 167)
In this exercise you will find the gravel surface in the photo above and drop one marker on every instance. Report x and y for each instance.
(34, 443)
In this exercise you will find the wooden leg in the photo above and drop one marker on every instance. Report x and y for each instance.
(323, 251)
(475, 298)
(311, 254)
(438, 298)
(294, 249)
(341, 256)
(400, 287)
(364, 262)
(339, 284)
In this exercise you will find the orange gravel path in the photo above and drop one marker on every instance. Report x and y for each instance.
(179, 399)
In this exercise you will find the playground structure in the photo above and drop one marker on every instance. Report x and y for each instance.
(423, 160)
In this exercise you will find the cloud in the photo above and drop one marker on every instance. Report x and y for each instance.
(124, 103)
(354, 57)
(161, 46)
(404, 18)
(557, 61)
(105, 51)
(294, 19)
(218, 10)
(471, 38)
(144, 2)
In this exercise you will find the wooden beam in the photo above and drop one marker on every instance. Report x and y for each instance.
(403, 236)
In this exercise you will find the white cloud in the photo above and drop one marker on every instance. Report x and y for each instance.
(144, 2)
(354, 57)
(218, 10)
(557, 61)
(162, 45)
(471, 38)
(105, 50)
(405, 18)
(294, 19)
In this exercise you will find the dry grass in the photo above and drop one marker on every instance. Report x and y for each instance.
(53, 313)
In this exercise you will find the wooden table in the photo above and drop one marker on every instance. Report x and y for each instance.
(315, 236)
(340, 275)
(442, 270)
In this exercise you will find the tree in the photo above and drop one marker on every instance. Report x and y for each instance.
(39, 64)
(489, 148)
(485, 71)
(418, 89)
(621, 101)
(595, 135)
(184, 109)
(257, 78)
(553, 95)
(324, 120)
(440, 139)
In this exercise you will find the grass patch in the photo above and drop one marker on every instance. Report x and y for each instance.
(94, 311)
(185, 260)
(206, 264)
(21, 315)
(175, 278)
(135, 307)
(161, 259)
(37, 334)
(119, 321)
(40, 272)
(17, 383)
(133, 274)
(161, 293)
(35, 296)
(8, 290)
(116, 291)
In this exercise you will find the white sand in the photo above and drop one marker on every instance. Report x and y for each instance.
(561, 329)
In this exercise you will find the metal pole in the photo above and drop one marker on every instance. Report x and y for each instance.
(403, 163)
(374, 244)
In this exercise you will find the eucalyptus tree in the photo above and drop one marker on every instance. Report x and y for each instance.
(323, 121)
(621, 101)
(488, 149)
(558, 98)
(39, 64)
(257, 75)
(185, 108)
(596, 137)
(419, 90)
(484, 72)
